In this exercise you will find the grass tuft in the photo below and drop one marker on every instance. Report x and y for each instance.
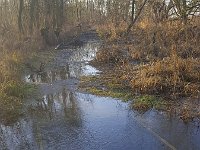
(146, 102)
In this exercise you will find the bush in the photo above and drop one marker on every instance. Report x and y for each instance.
(173, 75)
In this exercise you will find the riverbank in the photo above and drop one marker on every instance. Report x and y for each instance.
(154, 67)
(23, 54)
(62, 117)
(13, 90)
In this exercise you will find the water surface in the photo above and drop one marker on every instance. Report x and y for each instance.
(65, 119)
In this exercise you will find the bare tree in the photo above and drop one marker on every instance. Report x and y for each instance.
(21, 6)
(133, 21)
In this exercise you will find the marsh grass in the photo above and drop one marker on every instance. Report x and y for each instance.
(12, 96)
(102, 86)
(115, 93)
(110, 31)
(146, 102)
(167, 56)
(154, 60)
(110, 87)
(13, 91)
(173, 76)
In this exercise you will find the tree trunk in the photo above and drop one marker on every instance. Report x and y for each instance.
(136, 17)
(31, 14)
(61, 13)
(21, 6)
(133, 10)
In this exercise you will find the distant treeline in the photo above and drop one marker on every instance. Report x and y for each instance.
(29, 15)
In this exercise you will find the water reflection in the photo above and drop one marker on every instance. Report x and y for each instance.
(67, 120)
(62, 73)
(57, 105)
(19, 136)
(85, 54)
(69, 64)
(64, 119)
(61, 108)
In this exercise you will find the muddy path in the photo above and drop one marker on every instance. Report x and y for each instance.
(65, 119)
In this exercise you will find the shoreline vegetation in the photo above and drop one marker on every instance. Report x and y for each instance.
(19, 57)
(163, 73)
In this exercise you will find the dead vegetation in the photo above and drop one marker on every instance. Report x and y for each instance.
(167, 57)
(156, 59)
(160, 55)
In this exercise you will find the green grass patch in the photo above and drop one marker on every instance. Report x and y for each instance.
(86, 79)
(10, 108)
(111, 87)
(105, 87)
(12, 96)
(146, 102)
(17, 89)
(122, 94)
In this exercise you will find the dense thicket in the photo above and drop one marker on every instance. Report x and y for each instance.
(31, 15)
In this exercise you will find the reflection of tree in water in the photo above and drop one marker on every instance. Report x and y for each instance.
(64, 73)
(61, 73)
(77, 60)
(27, 134)
(76, 70)
(80, 57)
(85, 53)
(17, 136)
(61, 110)
(60, 105)
(71, 110)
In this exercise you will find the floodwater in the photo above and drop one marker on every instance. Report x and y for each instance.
(65, 119)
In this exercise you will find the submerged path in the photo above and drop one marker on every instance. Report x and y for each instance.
(65, 119)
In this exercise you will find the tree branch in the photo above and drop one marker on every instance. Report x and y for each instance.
(136, 17)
